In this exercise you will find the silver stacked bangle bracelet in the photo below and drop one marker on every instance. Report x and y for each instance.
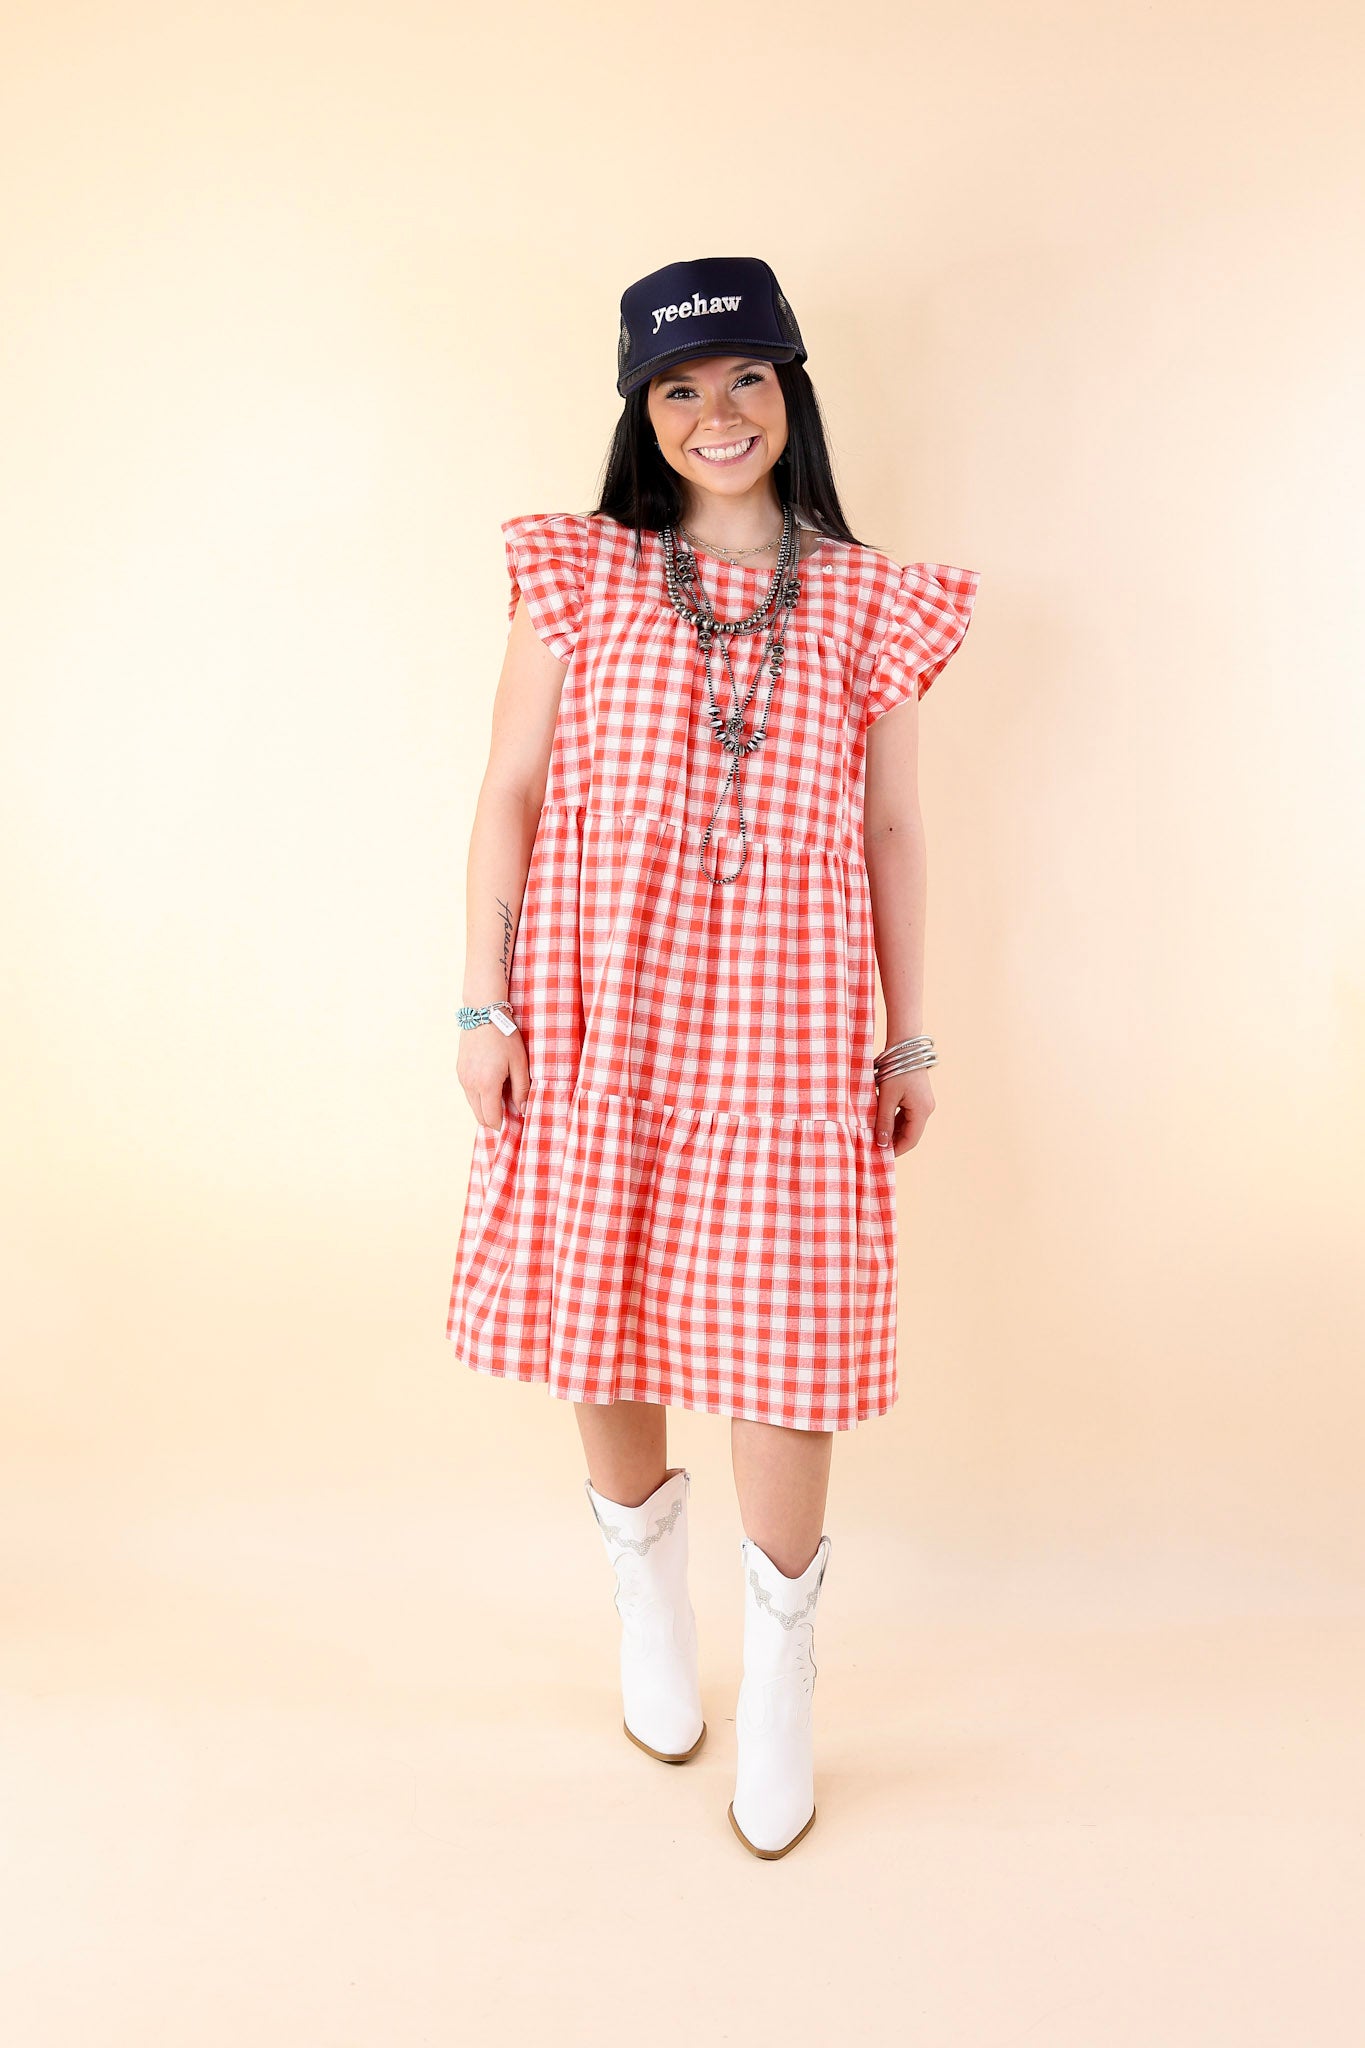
(907, 1056)
(499, 1014)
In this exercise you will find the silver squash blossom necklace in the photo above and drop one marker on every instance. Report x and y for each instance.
(687, 595)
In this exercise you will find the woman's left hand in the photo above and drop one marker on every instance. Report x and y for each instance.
(905, 1103)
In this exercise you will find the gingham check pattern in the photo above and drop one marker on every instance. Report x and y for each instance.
(694, 1209)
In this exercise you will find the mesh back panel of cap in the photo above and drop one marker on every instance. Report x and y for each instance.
(786, 320)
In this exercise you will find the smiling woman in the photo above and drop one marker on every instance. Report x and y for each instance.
(729, 416)
(698, 1206)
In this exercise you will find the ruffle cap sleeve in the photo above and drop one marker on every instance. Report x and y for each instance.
(930, 613)
(547, 564)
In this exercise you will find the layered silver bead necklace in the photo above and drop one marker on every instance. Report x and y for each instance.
(687, 595)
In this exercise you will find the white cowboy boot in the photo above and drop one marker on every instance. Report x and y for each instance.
(774, 1802)
(660, 1688)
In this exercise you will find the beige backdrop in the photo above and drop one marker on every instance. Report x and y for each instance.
(309, 1733)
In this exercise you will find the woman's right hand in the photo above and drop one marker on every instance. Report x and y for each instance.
(486, 1062)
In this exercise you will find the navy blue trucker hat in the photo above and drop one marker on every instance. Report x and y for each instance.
(713, 306)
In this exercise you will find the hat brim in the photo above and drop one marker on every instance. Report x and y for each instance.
(766, 351)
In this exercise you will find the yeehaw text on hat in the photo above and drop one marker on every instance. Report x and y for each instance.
(696, 304)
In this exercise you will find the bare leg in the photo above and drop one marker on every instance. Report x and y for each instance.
(782, 1481)
(626, 1443)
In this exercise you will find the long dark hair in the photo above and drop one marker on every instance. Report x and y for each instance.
(640, 489)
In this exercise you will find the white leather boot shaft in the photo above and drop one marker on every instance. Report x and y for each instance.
(774, 1800)
(660, 1683)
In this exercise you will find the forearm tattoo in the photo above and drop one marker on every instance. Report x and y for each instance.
(506, 942)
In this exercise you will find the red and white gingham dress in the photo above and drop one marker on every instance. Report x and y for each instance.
(694, 1210)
